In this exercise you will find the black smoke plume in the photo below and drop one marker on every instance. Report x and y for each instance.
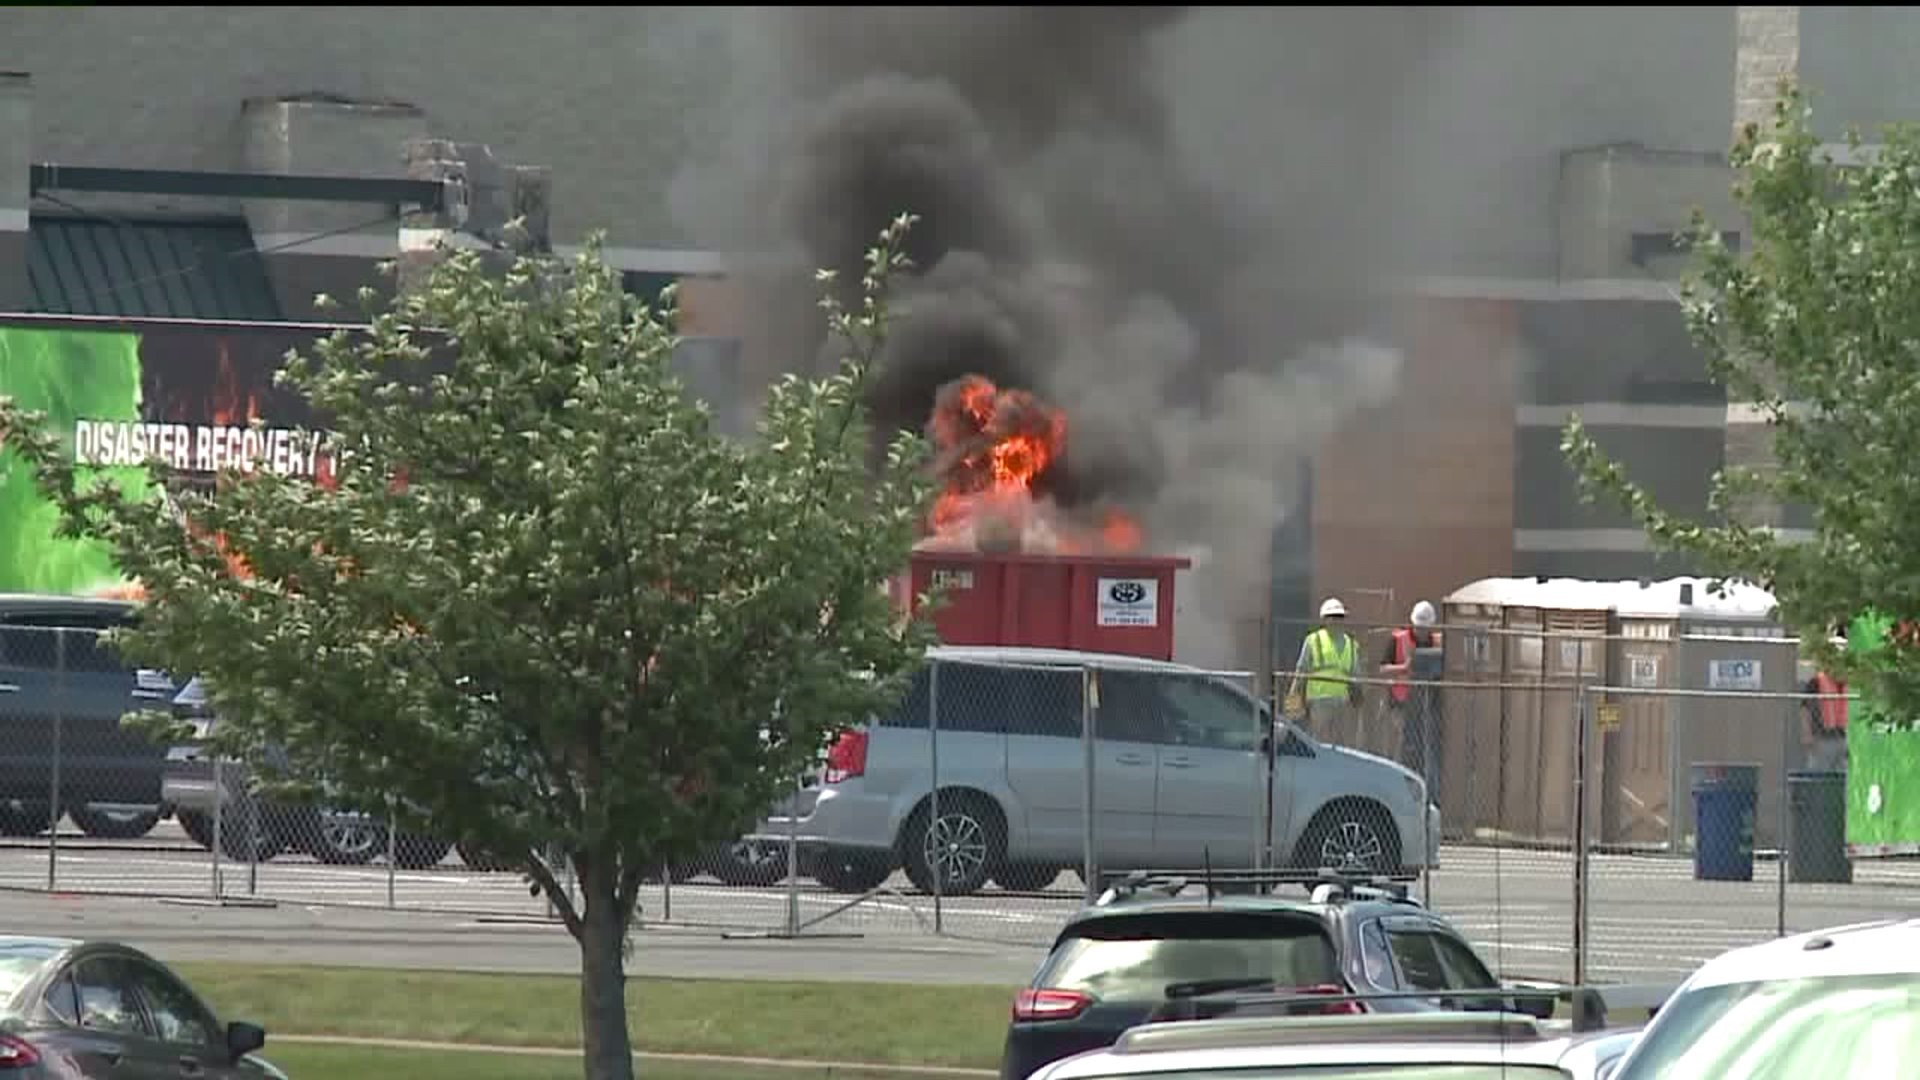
(1063, 247)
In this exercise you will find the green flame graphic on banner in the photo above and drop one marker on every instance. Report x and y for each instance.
(67, 374)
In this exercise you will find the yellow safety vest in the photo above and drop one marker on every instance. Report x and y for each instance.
(1329, 666)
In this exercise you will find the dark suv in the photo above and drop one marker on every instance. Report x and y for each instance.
(1150, 943)
(55, 674)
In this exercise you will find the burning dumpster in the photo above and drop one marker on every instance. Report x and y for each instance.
(1015, 567)
(1112, 604)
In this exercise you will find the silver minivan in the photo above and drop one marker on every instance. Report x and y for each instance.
(1188, 770)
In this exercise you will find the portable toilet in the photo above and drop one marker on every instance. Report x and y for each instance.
(1541, 639)
(1633, 731)
(1736, 643)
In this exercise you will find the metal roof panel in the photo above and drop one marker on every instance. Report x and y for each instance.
(153, 269)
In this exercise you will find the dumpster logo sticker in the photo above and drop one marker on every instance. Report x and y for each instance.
(1129, 602)
(1733, 674)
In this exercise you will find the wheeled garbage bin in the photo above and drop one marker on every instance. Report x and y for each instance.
(1817, 850)
(1724, 798)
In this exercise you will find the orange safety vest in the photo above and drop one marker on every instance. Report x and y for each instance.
(1833, 702)
(1402, 654)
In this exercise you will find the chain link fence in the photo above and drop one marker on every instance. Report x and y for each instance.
(1540, 787)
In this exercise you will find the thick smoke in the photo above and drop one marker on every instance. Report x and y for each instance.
(1069, 243)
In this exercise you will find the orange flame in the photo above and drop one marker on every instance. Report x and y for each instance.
(991, 447)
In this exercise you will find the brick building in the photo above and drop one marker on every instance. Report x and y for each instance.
(1553, 151)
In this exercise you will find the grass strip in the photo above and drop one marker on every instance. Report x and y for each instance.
(881, 1023)
(306, 1061)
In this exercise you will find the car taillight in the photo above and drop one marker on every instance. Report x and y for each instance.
(848, 757)
(1335, 1008)
(1049, 1004)
(17, 1053)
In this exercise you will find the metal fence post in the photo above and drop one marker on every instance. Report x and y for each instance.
(1582, 725)
(1089, 706)
(393, 846)
(936, 832)
(793, 858)
(1677, 711)
(1262, 784)
(59, 722)
(219, 812)
(1787, 839)
(253, 844)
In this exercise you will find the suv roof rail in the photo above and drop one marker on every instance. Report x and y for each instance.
(1325, 885)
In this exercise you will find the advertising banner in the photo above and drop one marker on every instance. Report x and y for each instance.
(120, 393)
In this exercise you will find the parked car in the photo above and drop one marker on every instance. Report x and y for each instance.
(1182, 766)
(72, 1010)
(1145, 951)
(109, 774)
(1839, 1004)
(256, 829)
(1431, 1046)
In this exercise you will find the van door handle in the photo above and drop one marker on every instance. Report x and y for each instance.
(1131, 759)
(190, 1066)
(1177, 763)
(9, 688)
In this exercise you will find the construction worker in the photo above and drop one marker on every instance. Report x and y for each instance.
(1329, 660)
(1825, 737)
(1414, 658)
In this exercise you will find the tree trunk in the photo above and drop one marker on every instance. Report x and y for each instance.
(603, 977)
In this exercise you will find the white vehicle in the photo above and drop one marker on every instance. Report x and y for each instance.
(1837, 1004)
(1379, 1046)
(1186, 765)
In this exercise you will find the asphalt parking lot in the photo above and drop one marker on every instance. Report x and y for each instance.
(1648, 920)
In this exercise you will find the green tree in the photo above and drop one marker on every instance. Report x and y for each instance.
(1816, 320)
(547, 607)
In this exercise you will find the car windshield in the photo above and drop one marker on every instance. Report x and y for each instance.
(1414, 1071)
(1137, 958)
(1861, 1027)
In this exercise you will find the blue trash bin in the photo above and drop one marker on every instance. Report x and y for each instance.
(1724, 797)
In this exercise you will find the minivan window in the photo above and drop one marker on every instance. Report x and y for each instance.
(1137, 958)
(1129, 707)
(1201, 713)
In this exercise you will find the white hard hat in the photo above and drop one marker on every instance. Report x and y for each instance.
(1423, 614)
(1332, 607)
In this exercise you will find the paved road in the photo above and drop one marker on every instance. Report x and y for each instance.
(1648, 919)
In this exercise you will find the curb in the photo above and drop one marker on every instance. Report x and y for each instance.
(644, 1055)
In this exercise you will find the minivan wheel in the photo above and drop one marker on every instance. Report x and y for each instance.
(108, 823)
(248, 833)
(960, 850)
(1354, 836)
(851, 871)
(478, 860)
(412, 851)
(197, 826)
(348, 839)
(24, 818)
(749, 862)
